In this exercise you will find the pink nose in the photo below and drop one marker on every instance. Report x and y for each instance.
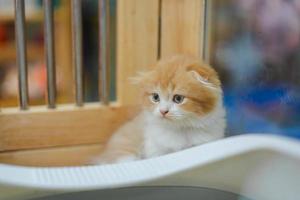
(163, 112)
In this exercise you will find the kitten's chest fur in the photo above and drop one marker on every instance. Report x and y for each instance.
(163, 138)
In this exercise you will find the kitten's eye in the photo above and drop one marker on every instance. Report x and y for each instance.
(178, 98)
(155, 97)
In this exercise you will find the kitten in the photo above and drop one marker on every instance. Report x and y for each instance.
(182, 107)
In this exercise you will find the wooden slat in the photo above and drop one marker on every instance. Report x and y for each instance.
(60, 127)
(181, 27)
(137, 43)
(62, 156)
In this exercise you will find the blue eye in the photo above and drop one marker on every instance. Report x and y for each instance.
(155, 97)
(178, 98)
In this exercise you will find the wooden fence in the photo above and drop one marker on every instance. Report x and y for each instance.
(64, 135)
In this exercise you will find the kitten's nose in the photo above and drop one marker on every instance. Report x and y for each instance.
(164, 112)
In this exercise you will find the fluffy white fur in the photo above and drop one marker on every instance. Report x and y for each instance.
(162, 136)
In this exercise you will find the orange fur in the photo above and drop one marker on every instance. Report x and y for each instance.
(173, 75)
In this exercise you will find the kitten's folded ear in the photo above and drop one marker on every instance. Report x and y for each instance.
(204, 74)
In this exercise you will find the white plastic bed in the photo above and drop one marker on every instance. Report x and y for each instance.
(256, 166)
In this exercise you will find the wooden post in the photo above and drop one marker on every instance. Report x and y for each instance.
(181, 27)
(137, 43)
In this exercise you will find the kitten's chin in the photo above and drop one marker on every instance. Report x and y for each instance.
(159, 118)
(168, 119)
(165, 118)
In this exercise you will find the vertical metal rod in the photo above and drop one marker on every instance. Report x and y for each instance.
(77, 49)
(21, 53)
(205, 26)
(104, 51)
(50, 54)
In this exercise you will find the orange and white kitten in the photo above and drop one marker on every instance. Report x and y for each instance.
(182, 107)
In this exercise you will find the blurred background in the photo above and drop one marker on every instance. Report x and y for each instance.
(253, 44)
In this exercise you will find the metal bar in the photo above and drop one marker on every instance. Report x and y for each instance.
(205, 27)
(77, 49)
(50, 54)
(21, 53)
(104, 52)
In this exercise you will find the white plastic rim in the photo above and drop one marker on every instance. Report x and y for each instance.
(206, 163)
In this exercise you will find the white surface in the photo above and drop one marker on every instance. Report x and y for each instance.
(259, 166)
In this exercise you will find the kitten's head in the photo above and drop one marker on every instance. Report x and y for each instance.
(179, 88)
